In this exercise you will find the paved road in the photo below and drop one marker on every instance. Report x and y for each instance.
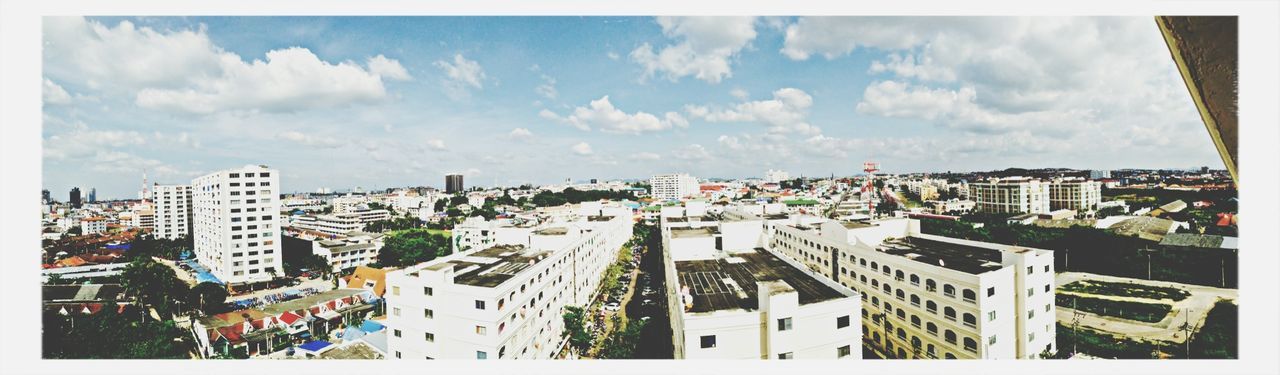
(320, 285)
(1194, 308)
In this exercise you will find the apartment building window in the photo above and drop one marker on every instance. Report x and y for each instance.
(427, 313)
(395, 290)
(1047, 306)
(991, 341)
(1046, 268)
(970, 295)
(931, 328)
(708, 341)
(481, 355)
(950, 336)
(481, 330)
(991, 291)
(930, 285)
(915, 300)
(396, 333)
(991, 316)
(1031, 292)
(1046, 288)
(787, 355)
(970, 344)
(915, 321)
(842, 322)
(950, 313)
(915, 280)
(948, 290)
(1031, 313)
(397, 354)
(843, 351)
(395, 311)
(479, 305)
(1031, 270)
(430, 337)
(931, 307)
(970, 320)
(784, 324)
(1031, 336)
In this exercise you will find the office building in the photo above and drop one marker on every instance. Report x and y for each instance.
(453, 184)
(74, 197)
(672, 186)
(1010, 195)
(235, 224)
(926, 296)
(92, 225)
(504, 301)
(172, 211)
(340, 223)
(93, 195)
(776, 176)
(1076, 194)
(1097, 174)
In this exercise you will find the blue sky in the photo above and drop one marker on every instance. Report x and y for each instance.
(388, 101)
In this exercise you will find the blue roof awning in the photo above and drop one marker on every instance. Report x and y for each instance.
(371, 326)
(315, 346)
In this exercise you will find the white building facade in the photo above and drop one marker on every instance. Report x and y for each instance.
(672, 186)
(1010, 195)
(235, 224)
(172, 211)
(504, 301)
(1075, 194)
(928, 296)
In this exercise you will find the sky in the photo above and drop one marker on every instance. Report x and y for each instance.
(378, 102)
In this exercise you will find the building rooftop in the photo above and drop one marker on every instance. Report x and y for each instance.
(554, 231)
(1203, 241)
(964, 258)
(856, 224)
(730, 283)
(693, 232)
(493, 266)
(86, 292)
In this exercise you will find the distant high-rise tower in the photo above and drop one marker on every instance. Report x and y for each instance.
(453, 183)
(93, 195)
(44, 196)
(75, 197)
(145, 193)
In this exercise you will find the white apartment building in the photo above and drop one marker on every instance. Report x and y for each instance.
(299, 203)
(144, 218)
(356, 249)
(927, 296)
(340, 223)
(235, 223)
(1010, 195)
(776, 176)
(504, 301)
(172, 211)
(1075, 194)
(90, 225)
(477, 233)
(952, 205)
(672, 186)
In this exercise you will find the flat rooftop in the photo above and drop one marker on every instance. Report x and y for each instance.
(493, 266)
(554, 231)
(856, 224)
(730, 283)
(959, 257)
(693, 232)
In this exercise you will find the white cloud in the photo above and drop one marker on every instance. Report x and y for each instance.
(788, 111)
(184, 71)
(388, 68)
(601, 114)
(520, 134)
(612, 55)
(79, 142)
(704, 49)
(309, 139)
(645, 156)
(959, 109)
(54, 94)
(739, 93)
(462, 75)
(548, 87)
(582, 148)
(435, 144)
(693, 152)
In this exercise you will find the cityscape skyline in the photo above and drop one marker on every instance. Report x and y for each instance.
(404, 101)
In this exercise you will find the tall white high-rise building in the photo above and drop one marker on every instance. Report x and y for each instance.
(672, 186)
(172, 211)
(1010, 195)
(776, 176)
(235, 223)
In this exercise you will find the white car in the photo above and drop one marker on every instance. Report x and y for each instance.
(611, 307)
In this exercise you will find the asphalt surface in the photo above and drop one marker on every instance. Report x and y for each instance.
(1193, 309)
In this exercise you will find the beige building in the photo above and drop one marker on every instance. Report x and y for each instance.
(1010, 195)
(1075, 194)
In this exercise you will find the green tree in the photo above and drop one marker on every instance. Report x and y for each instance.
(209, 297)
(154, 284)
(622, 344)
(575, 327)
(112, 334)
(412, 246)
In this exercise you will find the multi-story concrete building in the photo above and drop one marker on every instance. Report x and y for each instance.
(478, 233)
(504, 301)
(143, 217)
(340, 223)
(172, 211)
(453, 184)
(353, 250)
(950, 206)
(1075, 194)
(91, 225)
(927, 296)
(672, 186)
(1010, 195)
(235, 224)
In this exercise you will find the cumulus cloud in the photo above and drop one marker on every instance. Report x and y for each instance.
(520, 134)
(548, 87)
(309, 139)
(55, 94)
(388, 68)
(693, 152)
(461, 76)
(184, 71)
(435, 144)
(80, 142)
(582, 148)
(602, 115)
(787, 112)
(704, 49)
